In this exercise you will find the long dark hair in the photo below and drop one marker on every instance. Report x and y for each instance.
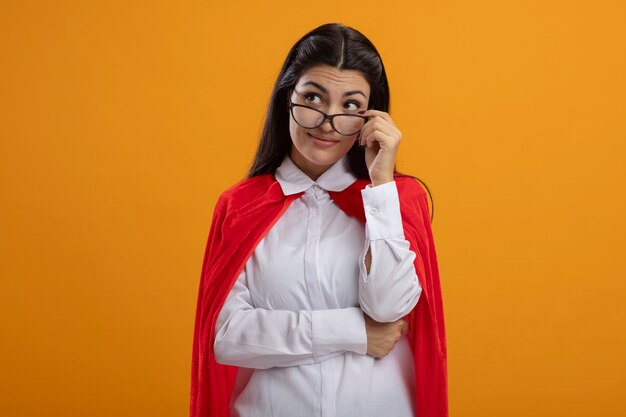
(343, 48)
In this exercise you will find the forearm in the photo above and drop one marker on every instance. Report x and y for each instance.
(388, 287)
(260, 338)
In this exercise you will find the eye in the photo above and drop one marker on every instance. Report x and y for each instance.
(355, 103)
(306, 97)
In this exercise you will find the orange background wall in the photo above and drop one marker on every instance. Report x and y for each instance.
(121, 122)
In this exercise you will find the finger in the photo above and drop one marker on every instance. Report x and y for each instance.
(378, 120)
(378, 125)
(367, 129)
(385, 127)
(364, 131)
(378, 113)
(377, 136)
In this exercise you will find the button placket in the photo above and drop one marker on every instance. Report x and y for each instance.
(311, 254)
(315, 202)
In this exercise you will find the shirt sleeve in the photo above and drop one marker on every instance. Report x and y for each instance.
(259, 338)
(391, 289)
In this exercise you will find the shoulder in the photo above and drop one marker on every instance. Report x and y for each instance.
(254, 185)
(246, 190)
(409, 185)
(412, 194)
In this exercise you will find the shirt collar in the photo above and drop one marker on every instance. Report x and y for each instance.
(292, 180)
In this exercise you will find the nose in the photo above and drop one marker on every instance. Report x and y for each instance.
(327, 126)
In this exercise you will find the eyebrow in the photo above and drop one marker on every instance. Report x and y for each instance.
(325, 91)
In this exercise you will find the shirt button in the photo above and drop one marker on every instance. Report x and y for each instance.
(373, 210)
(317, 187)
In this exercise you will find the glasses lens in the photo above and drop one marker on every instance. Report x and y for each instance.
(307, 118)
(348, 125)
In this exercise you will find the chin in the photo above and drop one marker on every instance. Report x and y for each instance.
(323, 157)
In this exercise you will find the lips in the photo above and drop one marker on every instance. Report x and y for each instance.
(324, 139)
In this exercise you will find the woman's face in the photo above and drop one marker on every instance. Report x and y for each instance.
(332, 91)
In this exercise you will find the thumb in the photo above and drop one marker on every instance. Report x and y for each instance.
(405, 328)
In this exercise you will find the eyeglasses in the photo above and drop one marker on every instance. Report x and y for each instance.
(309, 118)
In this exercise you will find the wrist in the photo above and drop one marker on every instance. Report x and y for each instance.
(380, 181)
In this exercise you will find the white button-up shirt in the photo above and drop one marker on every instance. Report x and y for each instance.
(293, 322)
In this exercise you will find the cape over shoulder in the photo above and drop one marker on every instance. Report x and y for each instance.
(243, 194)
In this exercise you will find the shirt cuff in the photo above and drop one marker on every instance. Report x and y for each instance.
(338, 329)
(382, 211)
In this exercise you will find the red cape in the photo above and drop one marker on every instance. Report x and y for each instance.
(243, 215)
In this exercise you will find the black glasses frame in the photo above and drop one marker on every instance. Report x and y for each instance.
(330, 117)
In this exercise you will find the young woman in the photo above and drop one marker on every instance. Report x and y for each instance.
(320, 292)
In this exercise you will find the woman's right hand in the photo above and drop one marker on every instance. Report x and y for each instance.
(382, 337)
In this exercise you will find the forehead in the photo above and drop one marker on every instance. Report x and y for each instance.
(335, 79)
